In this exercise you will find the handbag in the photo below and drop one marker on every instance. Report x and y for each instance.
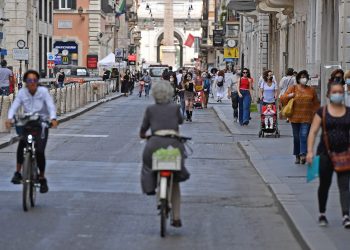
(341, 161)
(288, 109)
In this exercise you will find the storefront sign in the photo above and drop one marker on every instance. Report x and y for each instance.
(65, 24)
(58, 60)
(132, 58)
(218, 39)
(92, 61)
(65, 60)
(50, 64)
(20, 54)
(71, 46)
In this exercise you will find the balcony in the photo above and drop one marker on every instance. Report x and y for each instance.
(242, 5)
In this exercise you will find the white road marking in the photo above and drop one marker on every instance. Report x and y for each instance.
(80, 135)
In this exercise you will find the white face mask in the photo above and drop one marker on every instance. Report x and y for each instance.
(303, 81)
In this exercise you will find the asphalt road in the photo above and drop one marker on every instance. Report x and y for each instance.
(95, 200)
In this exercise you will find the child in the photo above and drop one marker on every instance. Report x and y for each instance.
(269, 112)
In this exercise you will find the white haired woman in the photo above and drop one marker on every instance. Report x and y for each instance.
(163, 119)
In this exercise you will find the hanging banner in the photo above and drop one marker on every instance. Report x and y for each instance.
(190, 40)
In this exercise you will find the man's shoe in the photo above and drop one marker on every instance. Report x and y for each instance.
(43, 186)
(322, 221)
(176, 223)
(346, 222)
(17, 178)
(297, 159)
(302, 159)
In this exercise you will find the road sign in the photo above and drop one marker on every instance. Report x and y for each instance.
(231, 52)
(118, 53)
(20, 54)
(50, 64)
(55, 51)
(50, 57)
(58, 60)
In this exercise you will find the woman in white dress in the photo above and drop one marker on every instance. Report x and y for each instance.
(219, 83)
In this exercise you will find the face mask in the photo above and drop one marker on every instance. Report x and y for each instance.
(336, 98)
(270, 77)
(303, 81)
(348, 81)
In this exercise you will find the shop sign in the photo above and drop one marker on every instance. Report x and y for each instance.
(218, 39)
(71, 46)
(50, 64)
(65, 60)
(92, 61)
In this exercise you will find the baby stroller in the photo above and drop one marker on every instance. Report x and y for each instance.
(268, 120)
(198, 99)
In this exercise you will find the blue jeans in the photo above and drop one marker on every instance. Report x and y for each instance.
(300, 134)
(244, 107)
(147, 88)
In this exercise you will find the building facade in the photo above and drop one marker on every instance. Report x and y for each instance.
(311, 34)
(187, 23)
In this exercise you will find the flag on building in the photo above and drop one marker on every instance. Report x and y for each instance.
(121, 8)
(190, 40)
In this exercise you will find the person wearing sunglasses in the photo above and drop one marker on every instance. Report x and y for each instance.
(34, 99)
(244, 87)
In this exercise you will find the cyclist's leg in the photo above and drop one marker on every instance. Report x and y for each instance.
(176, 201)
(40, 153)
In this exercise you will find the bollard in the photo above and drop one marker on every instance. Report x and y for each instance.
(63, 100)
(73, 97)
(4, 108)
(69, 99)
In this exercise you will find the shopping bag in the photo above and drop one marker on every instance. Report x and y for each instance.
(288, 109)
(313, 169)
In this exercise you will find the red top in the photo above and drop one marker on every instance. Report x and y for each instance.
(244, 84)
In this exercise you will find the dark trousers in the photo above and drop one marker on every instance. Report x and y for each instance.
(300, 134)
(326, 174)
(234, 99)
(40, 145)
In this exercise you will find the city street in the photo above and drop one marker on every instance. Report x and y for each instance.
(95, 199)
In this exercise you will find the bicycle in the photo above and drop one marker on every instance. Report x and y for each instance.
(28, 127)
(166, 162)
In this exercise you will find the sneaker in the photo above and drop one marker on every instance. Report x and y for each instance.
(297, 159)
(176, 223)
(43, 186)
(322, 221)
(17, 178)
(346, 222)
(302, 159)
(235, 120)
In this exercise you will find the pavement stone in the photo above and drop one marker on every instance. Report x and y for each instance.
(273, 160)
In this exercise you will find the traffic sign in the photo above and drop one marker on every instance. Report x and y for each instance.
(50, 64)
(58, 60)
(231, 52)
(20, 54)
(118, 53)
(55, 51)
(50, 56)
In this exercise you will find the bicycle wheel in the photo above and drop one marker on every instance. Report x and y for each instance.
(26, 195)
(163, 217)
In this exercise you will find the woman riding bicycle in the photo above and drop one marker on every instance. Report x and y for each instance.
(163, 119)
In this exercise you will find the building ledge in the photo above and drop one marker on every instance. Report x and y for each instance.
(242, 5)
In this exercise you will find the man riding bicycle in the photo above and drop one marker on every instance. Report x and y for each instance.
(33, 99)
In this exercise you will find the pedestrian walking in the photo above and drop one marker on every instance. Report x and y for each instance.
(334, 119)
(6, 76)
(126, 83)
(106, 74)
(244, 87)
(268, 90)
(206, 88)
(189, 94)
(179, 76)
(220, 89)
(286, 81)
(233, 94)
(115, 77)
(173, 82)
(163, 119)
(305, 105)
(60, 77)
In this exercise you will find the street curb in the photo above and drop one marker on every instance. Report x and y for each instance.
(302, 224)
(10, 140)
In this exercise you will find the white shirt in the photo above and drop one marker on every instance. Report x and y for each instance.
(179, 78)
(41, 102)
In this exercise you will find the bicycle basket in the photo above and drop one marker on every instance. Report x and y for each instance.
(166, 159)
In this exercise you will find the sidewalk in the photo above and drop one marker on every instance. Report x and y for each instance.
(7, 139)
(273, 160)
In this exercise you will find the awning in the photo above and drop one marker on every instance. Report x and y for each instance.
(242, 5)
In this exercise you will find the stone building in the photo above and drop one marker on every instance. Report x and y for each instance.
(187, 21)
(302, 34)
(30, 21)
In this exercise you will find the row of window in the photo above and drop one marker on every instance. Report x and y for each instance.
(45, 46)
(45, 11)
(65, 4)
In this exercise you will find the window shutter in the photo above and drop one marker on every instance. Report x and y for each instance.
(74, 4)
(55, 4)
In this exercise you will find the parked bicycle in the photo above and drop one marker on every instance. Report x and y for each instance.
(29, 127)
(166, 162)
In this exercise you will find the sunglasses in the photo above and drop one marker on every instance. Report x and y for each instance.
(30, 80)
(245, 72)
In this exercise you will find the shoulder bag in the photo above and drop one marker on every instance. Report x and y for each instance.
(287, 111)
(341, 161)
